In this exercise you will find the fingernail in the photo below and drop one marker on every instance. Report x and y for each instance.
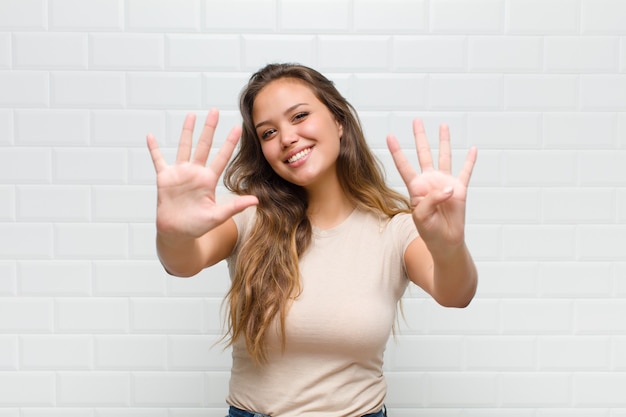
(448, 190)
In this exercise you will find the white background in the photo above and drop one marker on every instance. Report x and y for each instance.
(91, 326)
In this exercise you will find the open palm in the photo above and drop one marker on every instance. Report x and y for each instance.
(437, 198)
(186, 203)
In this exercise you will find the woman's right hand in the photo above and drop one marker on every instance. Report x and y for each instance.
(186, 204)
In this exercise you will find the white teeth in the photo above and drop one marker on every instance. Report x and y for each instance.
(299, 155)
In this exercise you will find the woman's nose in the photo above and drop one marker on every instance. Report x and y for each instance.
(288, 137)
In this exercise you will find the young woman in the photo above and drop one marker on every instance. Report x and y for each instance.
(319, 249)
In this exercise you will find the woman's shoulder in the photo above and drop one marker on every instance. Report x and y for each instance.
(397, 227)
(396, 220)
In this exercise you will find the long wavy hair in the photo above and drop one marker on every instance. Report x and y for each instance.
(267, 277)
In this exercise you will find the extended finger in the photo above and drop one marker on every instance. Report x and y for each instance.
(226, 211)
(206, 137)
(155, 153)
(402, 164)
(423, 148)
(186, 138)
(223, 156)
(468, 166)
(445, 155)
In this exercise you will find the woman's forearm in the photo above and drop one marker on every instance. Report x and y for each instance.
(181, 258)
(455, 278)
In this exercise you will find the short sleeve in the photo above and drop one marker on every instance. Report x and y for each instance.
(244, 221)
(404, 230)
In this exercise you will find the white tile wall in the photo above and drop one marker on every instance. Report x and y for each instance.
(323, 15)
(80, 16)
(24, 89)
(367, 53)
(393, 16)
(55, 278)
(90, 324)
(163, 15)
(543, 17)
(41, 391)
(55, 352)
(5, 50)
(571, 54)
(130, 352)
(7, 203)
(167, 389)
(24, 15)
(603, 17)
(514, 54)
(87, 89)
(436, 53)
(76, 389)
(541, 92)
(240, 16)
(33, 127)
(126, 51)
(6, 127)
(470, 17)
(50, 50)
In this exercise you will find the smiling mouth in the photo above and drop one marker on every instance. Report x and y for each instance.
(298, 156)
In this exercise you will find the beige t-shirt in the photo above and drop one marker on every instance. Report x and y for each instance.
(352, 277)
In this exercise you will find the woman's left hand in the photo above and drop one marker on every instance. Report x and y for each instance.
(437, 197)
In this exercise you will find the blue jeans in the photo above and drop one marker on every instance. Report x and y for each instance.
(236, 412)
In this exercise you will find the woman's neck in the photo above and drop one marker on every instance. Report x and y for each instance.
(328, 206)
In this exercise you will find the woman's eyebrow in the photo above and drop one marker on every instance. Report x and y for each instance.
(295, 106)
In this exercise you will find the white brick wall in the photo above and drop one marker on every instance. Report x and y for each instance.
(90, 324)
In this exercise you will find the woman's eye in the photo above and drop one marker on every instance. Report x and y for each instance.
(300, 116)
(267, 133)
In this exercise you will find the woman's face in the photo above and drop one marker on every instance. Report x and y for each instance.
(299, 136)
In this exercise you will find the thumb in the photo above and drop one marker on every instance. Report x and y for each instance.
(237, 205)
(243, 202)
(428, 204)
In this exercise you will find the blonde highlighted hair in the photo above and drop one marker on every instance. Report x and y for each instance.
(267, 276)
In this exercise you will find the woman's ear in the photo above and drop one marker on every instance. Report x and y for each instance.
(339, 129)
